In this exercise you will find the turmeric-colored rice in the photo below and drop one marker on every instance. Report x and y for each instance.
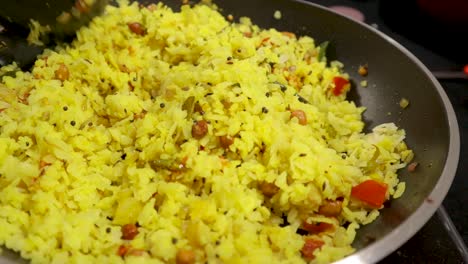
(213, 141)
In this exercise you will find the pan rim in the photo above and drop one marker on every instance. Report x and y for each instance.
(397, 237)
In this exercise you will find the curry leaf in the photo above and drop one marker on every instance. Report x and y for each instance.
(322, 55)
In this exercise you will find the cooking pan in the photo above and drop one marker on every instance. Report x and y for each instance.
(394, 73)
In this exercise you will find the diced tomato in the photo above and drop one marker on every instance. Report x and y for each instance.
(309, 247)
(340, 85)
(371, 192)
(315, 228)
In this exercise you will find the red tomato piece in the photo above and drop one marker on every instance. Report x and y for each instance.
(340, 85)
(371, 192)
(309, 247)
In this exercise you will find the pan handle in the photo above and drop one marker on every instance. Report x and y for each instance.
(453, 232)
(450, 75)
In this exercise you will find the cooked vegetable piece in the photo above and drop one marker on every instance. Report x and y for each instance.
(340, 85)
(309, 247)
(370, 192)
(322, 55)
(189, 106)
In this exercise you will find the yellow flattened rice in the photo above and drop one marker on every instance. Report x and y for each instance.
(181, 137)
